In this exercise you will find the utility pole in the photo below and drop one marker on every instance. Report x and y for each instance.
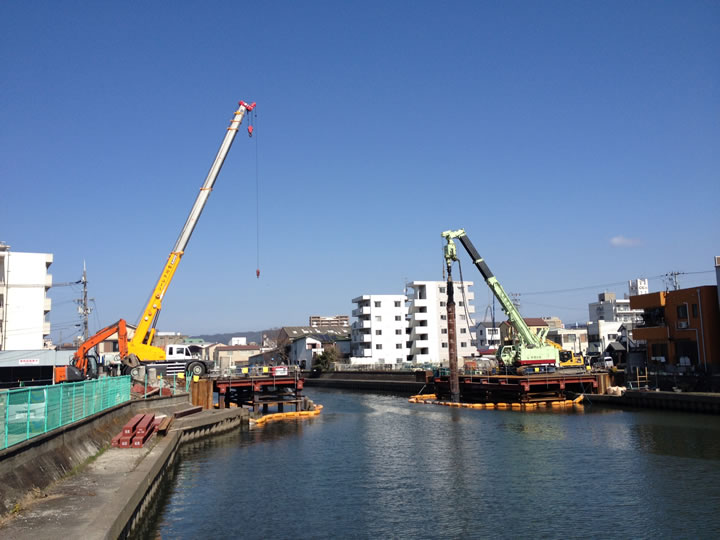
(672, 277)
(83, 308)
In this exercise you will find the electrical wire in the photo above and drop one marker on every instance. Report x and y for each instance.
(613, 284)
(257, 199)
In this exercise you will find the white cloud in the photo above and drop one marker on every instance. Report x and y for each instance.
(622, 241)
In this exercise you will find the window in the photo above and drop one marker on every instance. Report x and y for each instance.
(462, 317)
(377, 304)
(682, 311)
(398, 345)
(443, 317)
(442, 304)
(444, 345)
(463, 330)
(397, 304)
(398, 318)
(398, 332)
(443, 330)
(378, 318)
(378, 346)
(442, 289)
(378, 332)
(695, 311)
(463, 343)
(460, 303)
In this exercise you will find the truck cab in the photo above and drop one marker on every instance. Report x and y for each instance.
(188, 355)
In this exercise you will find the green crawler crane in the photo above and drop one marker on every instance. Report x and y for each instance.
(529, 353)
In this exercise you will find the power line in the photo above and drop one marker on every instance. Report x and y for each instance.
(613, 284)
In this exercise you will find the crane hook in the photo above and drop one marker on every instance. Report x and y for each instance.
(250, 131)
(257, 273)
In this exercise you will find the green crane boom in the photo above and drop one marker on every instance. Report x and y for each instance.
(531, 348)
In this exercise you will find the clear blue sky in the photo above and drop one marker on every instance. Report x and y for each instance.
(577, 142)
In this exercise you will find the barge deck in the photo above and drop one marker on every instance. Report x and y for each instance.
(521, 388)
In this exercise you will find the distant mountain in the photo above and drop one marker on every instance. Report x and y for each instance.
(252, 337)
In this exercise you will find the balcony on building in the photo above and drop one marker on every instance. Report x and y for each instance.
(655, 333)
(362, 323)
(48, 305)
(357, 312)
(422, 342)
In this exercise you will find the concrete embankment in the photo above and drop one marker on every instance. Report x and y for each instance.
(381, 381)
(679, 401)
(75, 486)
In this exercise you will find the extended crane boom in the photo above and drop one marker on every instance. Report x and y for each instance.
(530, 349)
(140, 347)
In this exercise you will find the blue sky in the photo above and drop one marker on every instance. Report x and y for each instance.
(576, 142)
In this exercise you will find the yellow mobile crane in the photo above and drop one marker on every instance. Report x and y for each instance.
(140, 349)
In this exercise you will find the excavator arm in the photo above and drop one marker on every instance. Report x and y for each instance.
(78, 368)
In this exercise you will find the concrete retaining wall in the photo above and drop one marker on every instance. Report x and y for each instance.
(38, 462)
(143, 483)
(690, 402)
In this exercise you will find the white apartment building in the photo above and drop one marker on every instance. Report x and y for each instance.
(428, 325)
(24, 304)
(601, 333)
(570, 339)
(378, 336)
(611, 309)
(488, 336)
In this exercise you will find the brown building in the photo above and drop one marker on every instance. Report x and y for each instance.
(681, 328)
(235, 355)
(507, 332)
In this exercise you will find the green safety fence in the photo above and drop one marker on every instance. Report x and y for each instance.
(29, 412)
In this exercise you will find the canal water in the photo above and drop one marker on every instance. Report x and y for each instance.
(376, 466)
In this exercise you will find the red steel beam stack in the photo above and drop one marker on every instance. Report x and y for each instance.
(136, 432)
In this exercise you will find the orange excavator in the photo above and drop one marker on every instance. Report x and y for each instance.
(84, 363)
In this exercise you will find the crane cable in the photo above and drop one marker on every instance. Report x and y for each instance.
(253, 121)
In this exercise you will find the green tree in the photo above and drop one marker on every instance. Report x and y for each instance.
(327, 358)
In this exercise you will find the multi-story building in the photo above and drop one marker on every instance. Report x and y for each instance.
(379, 335)
(428, 324)
(24, 304)
(570, 339)
(611, 309)
(488, 336)
(553, 322)
(681, 327)
(600, 334)
(508, 333)
(324, 322)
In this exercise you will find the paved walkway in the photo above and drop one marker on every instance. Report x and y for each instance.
(84, 506)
